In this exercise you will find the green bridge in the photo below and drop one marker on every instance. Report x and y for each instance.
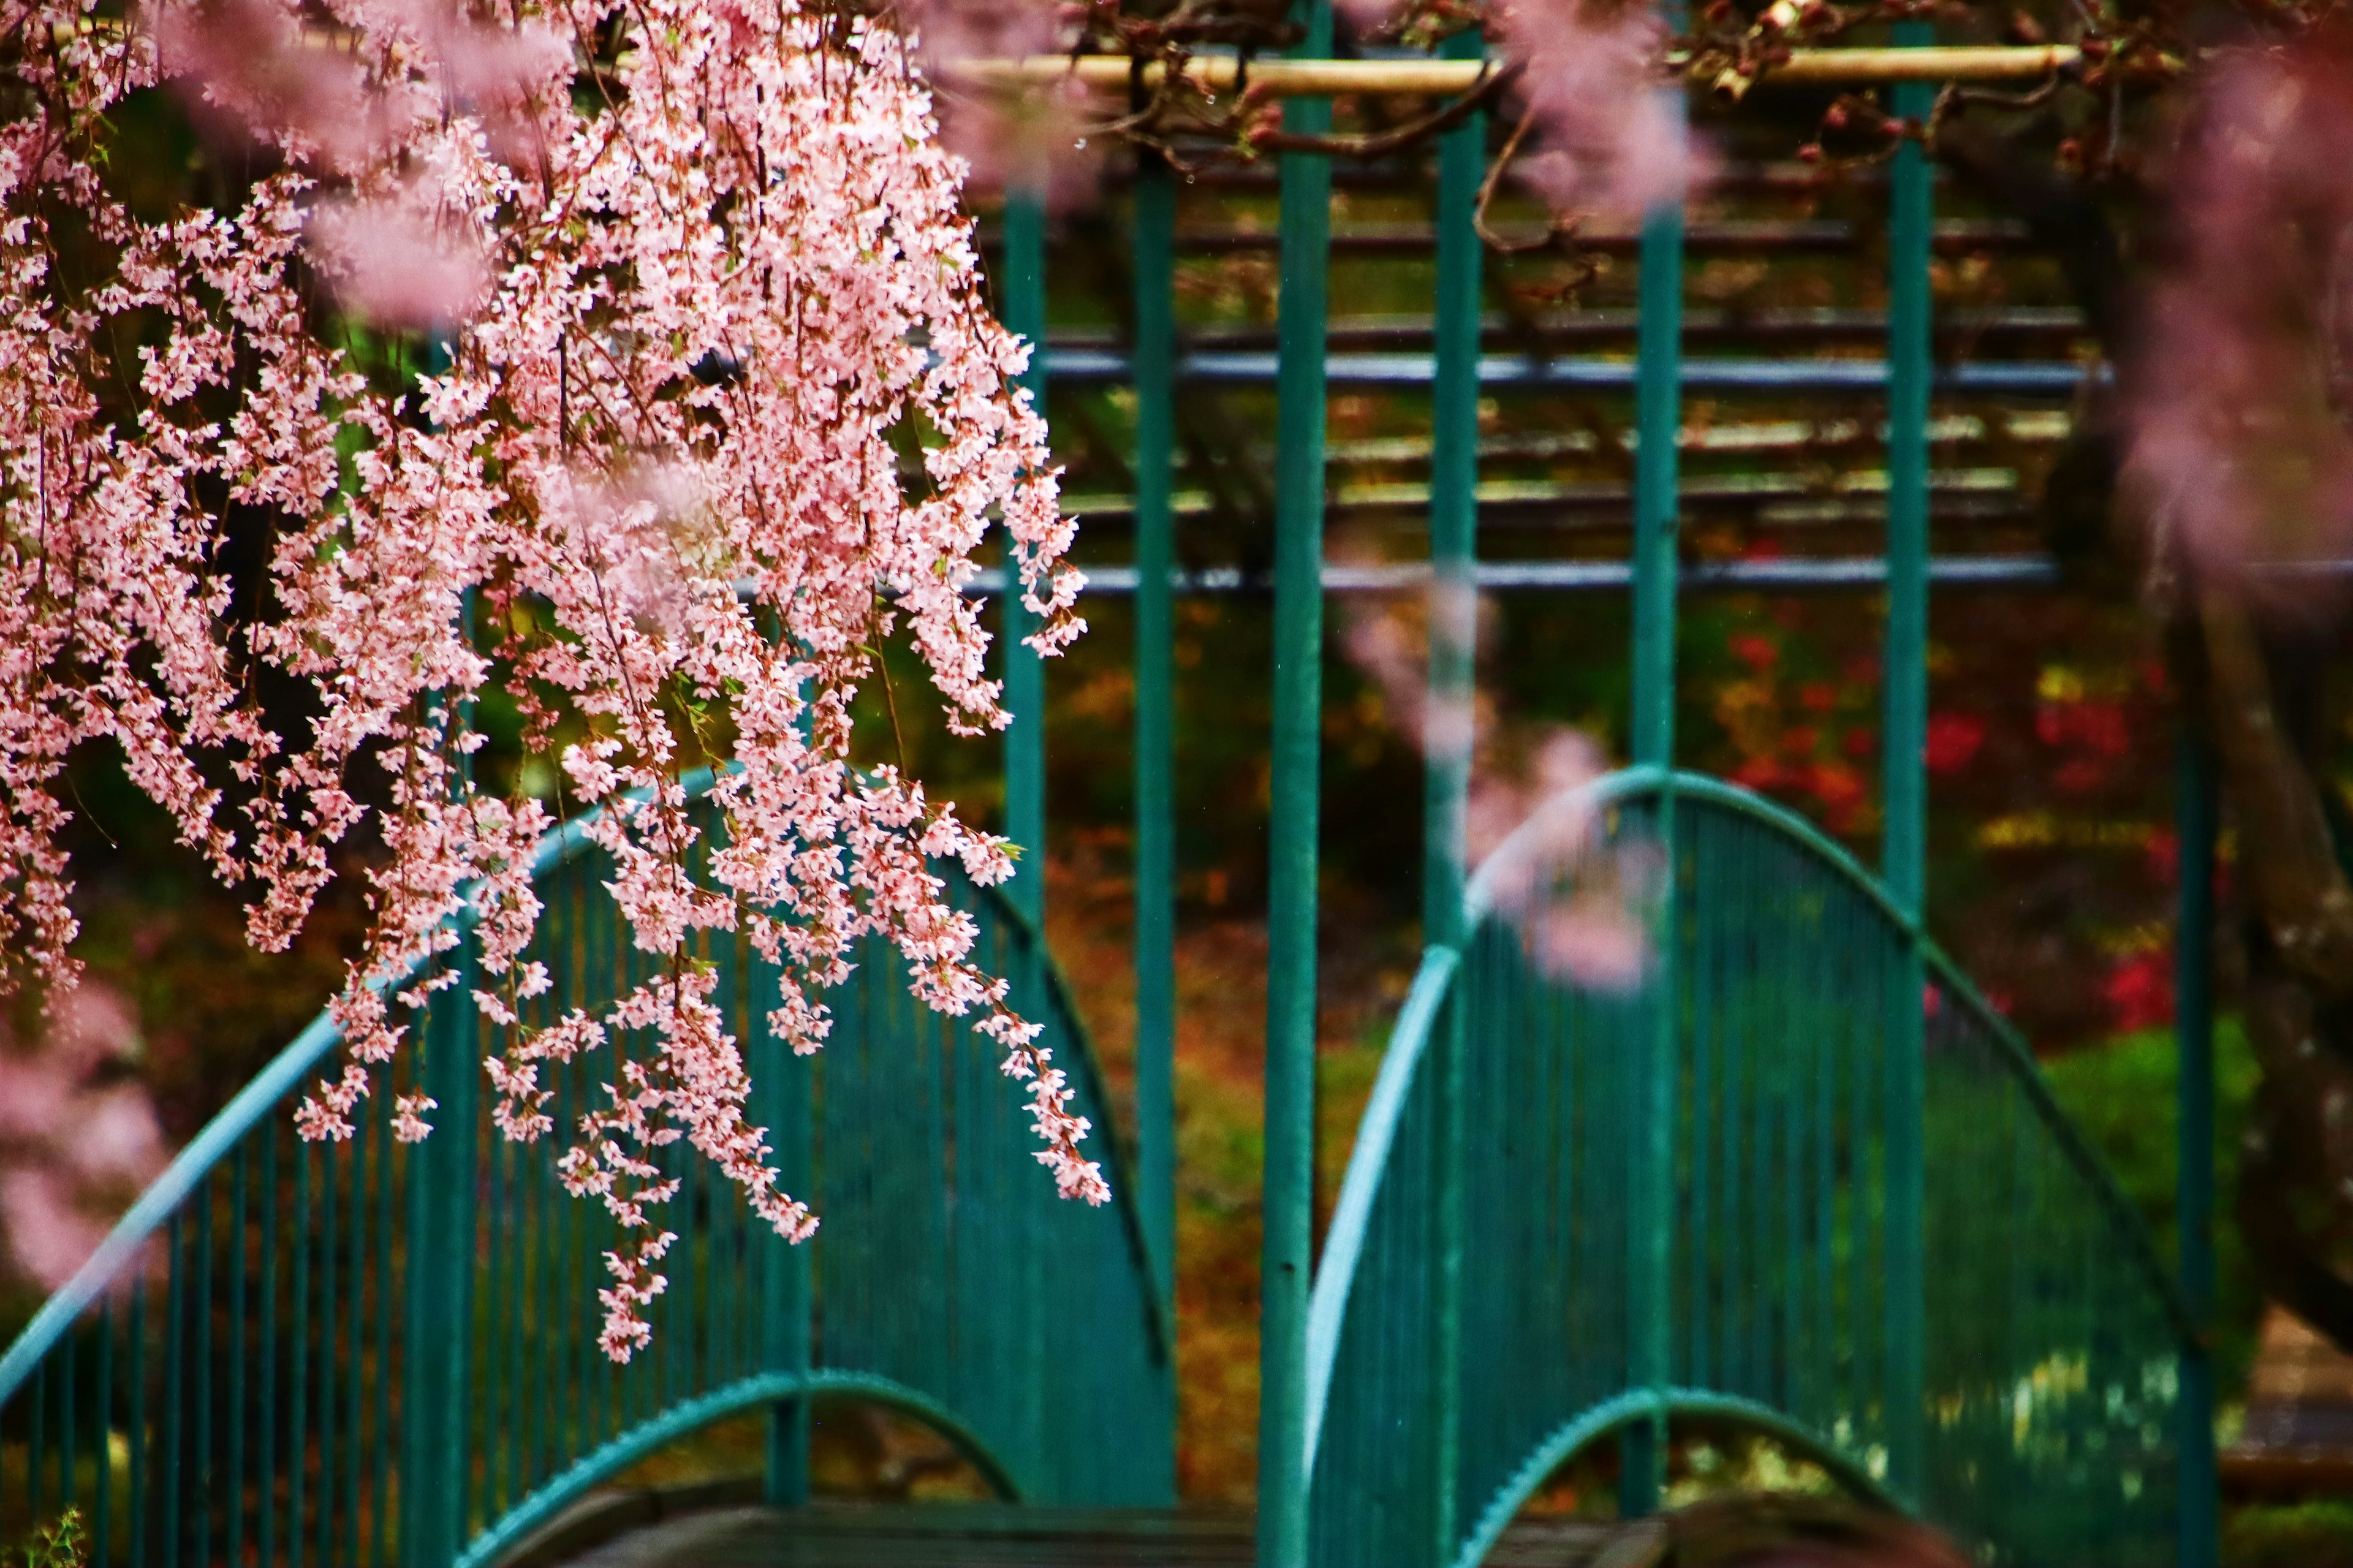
(1805, 1179)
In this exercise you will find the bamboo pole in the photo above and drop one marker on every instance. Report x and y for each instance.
(1215, 74)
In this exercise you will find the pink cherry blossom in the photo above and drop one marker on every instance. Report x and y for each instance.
(694, 311)
(1528, 825)
(2237, 446)
(77, 1140)
(1613, 137)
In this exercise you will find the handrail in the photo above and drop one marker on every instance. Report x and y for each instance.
(618, 1454)
(2017, 1056)
(1638, 1404)
(1352, 1213)
(1442, 968)
(260, 1097)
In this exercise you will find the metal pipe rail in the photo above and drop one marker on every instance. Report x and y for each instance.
(2049, 1359)
(1524, 372)
(1215, 74)
(1725, 236)
(1499, 332)
(373, 1353)
(1862, 572)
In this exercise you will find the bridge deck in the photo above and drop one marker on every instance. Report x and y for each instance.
(983, 1535)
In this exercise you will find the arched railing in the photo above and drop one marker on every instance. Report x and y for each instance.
(371, 1352)
(1473, 1325)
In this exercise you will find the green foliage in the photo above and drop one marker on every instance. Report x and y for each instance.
(61, 1546)
(2121, 1094)
(2316, 1534)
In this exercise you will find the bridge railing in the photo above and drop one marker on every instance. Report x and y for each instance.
(1474, 1327)
(373, 1353)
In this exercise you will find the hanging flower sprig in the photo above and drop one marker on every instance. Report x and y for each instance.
(700, 273)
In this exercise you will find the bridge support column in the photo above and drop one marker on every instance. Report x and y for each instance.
(1286, 1260)
(436, 1447)
(786, 1284)
(1021, 300)
(1903, 850)
(1650, 1230)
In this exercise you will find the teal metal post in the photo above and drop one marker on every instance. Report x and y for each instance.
(1658, 417)
(786, 1286)
(2195, 824)
(439, 1278)
(1022, 299)
(1156, 743)
(1903, 850)
(1447, 740)
(1285, 1261)
(439, 1274)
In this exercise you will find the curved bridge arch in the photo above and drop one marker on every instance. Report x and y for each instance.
(1606, 1419)
(1473, 1308)
(378, 1353)
(753, 1392)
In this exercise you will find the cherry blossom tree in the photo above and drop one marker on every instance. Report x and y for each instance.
(700, 276)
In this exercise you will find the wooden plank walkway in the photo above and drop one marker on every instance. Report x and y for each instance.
(2297, 1437)
(987, 1535)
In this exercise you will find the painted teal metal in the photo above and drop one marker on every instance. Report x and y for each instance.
(1038, 1336)
(1021, 300)
(1155, 715)
(1905, 784)
(1658, 420)
(2050, 1359)
(1572, 1214)
(1286, 1260)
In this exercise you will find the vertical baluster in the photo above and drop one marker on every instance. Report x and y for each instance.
(67, 1425)
(329, 1217)
(1737, 1056)
(599, 958)
(550, 1212)
(1789, 1059)
(298, 1454)
(36, 1452)
(174, 1376)
(382, 1437)
(522, 1185)
(1699, 1138)
(206, 1432)
(140, 1439)
(267, 1433)
(1828, 996)
(103, 1504)
(266, 1468)
(354, 1331)
(237, 1346)
(499, 1309)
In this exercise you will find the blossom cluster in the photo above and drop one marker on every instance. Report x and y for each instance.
(717, 408)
